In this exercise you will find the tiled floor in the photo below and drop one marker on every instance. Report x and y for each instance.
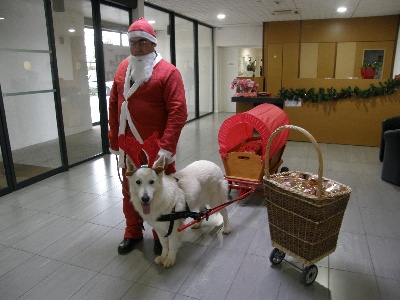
(59, 237)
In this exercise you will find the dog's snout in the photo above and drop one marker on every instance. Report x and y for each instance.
(145, 199)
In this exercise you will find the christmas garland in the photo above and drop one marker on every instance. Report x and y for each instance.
(331, 94)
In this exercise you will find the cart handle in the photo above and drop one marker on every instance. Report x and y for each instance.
(312, 139)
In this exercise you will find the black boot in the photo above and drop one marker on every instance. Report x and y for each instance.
(127, 245)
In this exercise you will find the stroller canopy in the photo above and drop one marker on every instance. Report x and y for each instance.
(264, 118)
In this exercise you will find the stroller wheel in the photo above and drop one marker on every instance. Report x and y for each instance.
(309, 274)
(276, 256)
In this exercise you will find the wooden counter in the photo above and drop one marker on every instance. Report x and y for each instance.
(351, 121)
(244, 104)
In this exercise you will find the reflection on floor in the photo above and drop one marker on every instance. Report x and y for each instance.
(23, 172)
(37, 159)
(59, 237)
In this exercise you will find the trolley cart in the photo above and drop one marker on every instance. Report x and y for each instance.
(243, 139)
(303, 225)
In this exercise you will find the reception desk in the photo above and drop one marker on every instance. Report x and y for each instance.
(246, 103)
(351, 121)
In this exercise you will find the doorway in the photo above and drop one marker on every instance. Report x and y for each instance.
(232, 62)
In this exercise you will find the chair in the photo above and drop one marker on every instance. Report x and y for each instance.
(388, 124)
(391, 157)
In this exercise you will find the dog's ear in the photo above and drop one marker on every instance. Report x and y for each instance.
(130, 167)
(159, 164)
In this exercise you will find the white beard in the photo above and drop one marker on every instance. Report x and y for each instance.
(141, 67)
(139, 71)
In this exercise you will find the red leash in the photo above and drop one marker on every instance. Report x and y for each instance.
(244, 191)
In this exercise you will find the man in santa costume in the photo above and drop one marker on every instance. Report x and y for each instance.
(147, 96)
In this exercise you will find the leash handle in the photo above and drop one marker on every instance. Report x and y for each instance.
(120, 180)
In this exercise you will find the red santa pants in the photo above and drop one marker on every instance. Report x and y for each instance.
(134, 222)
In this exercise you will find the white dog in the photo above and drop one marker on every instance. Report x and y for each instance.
(153, 194)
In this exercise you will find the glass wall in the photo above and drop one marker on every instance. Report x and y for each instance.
(3, 175)
(160, 22)
(27, 90)
(52, 114)
(206, 67)
(184, 43)
(195, 64)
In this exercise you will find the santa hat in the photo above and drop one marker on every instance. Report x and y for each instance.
(142, 28)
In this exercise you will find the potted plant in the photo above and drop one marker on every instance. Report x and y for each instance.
(368, 70)
(244, 86)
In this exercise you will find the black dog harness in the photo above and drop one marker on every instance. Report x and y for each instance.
(187, 213)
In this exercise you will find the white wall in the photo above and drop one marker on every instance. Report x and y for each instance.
(228, 43)
(239, 36)
(227, 70)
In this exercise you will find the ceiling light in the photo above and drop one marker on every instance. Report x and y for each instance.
(152, 22)
(221, 16)
(284, 12)
(341, 9)
(71, 30)
(1, 18)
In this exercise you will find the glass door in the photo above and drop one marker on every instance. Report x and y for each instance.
(28, 94)
(78, 87)
(82, 77)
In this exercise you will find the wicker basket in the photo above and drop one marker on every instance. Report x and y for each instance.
(304, 226)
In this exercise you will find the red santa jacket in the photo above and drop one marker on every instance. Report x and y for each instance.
(157, 105)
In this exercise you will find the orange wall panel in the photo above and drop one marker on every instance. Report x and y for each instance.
(326, 60)
(290, 63)
(281, 32)
(350, 30)
(274, 60)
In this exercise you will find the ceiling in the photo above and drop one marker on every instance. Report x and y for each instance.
(255, 12)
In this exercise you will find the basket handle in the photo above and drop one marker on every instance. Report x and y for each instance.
(311, 138)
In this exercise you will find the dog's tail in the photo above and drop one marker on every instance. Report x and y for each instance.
(223, 189)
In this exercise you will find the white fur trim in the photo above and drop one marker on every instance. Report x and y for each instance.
(165, 153)
(168, 156)
(142, 34)
(114, 152)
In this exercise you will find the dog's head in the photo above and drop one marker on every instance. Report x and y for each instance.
(144, 182)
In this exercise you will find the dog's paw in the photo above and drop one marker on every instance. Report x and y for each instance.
(159, 260)
(196, 226)
(169, 262)
(226, 230)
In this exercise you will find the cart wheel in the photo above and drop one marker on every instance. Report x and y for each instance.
(309, 274)
(276, 256)
(284, 169)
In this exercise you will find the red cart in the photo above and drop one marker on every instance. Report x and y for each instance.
(243, 140)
